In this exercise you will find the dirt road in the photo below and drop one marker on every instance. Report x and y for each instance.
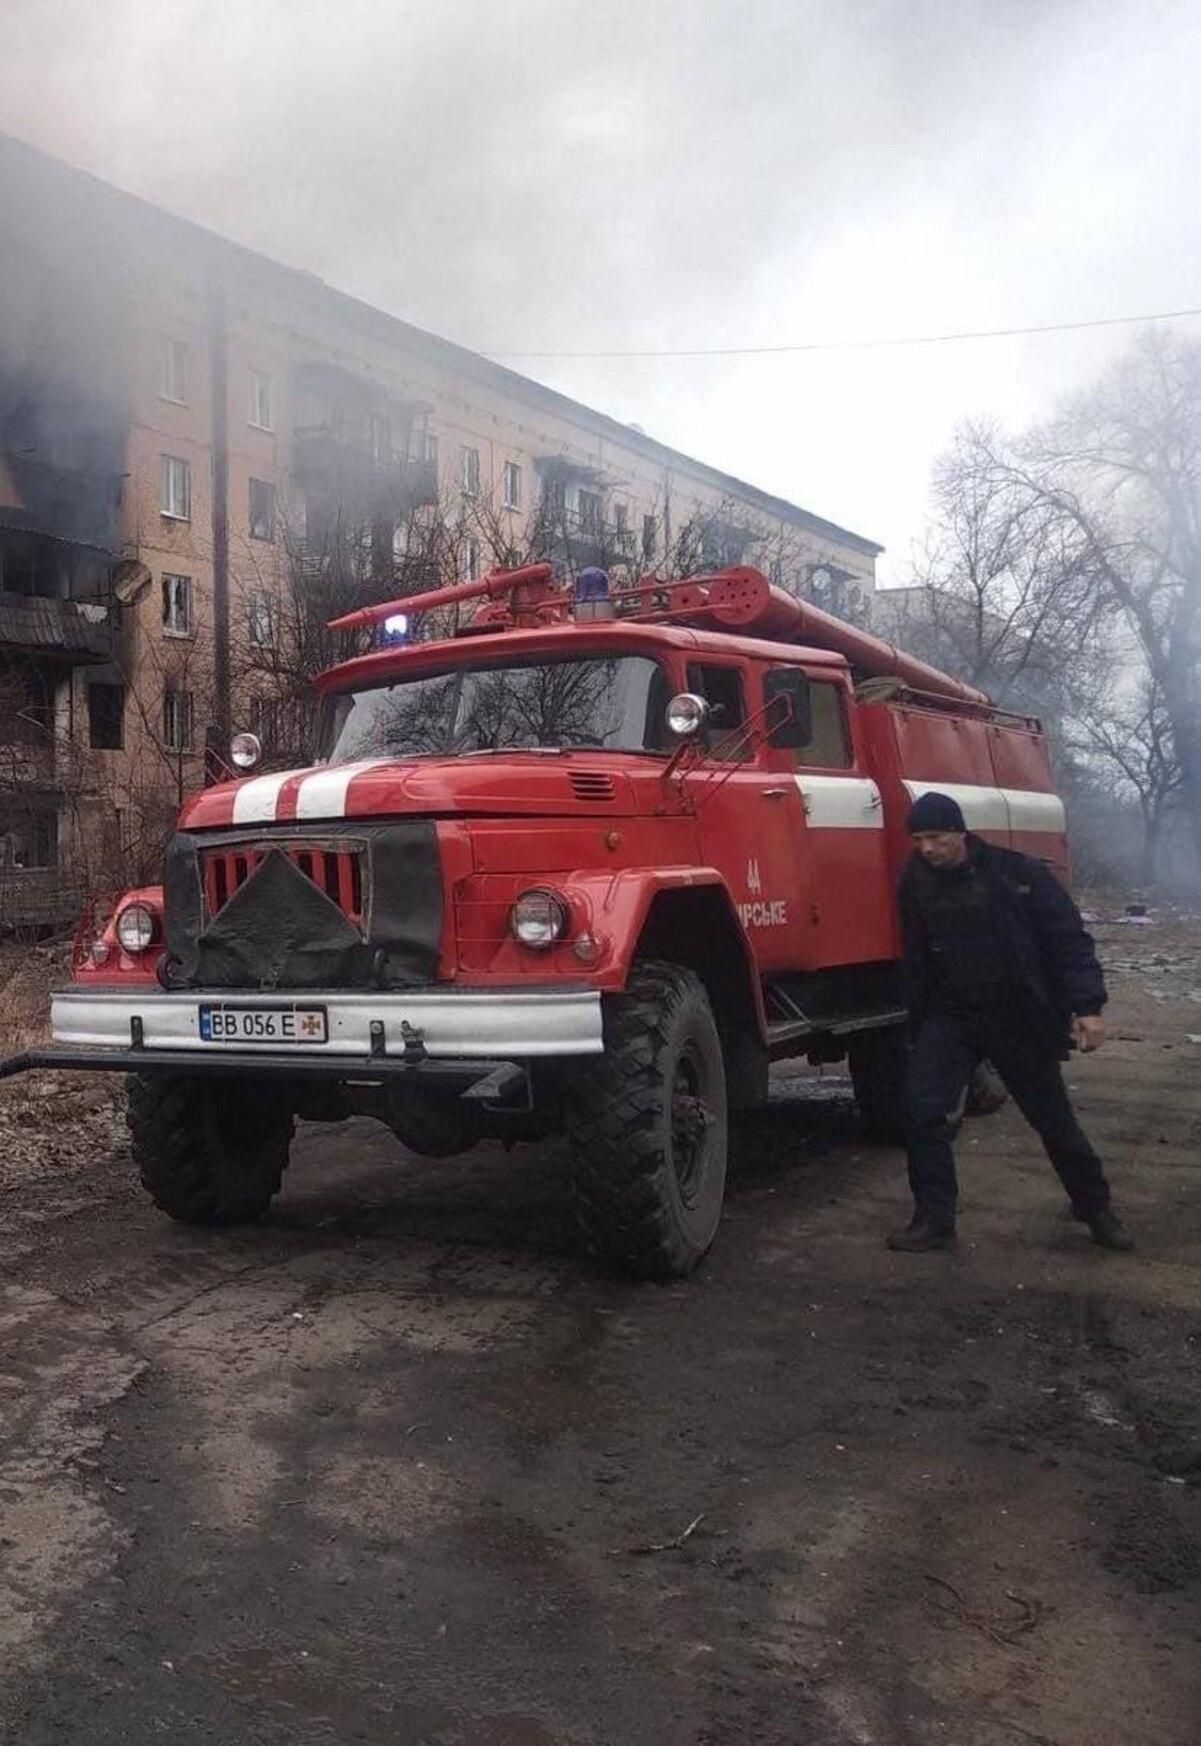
(397, 1467)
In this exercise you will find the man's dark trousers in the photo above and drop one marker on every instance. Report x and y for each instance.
(944, 1054)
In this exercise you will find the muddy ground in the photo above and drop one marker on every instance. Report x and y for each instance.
(397, 1466)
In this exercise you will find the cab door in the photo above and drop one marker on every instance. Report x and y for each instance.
(747, 816)
(839, 834)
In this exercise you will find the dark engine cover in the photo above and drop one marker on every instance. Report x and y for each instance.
(278, 929)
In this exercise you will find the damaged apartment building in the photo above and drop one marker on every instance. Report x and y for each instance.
(204, 455)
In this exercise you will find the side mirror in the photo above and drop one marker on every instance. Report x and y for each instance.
(245, 751)
(687, 715)
(788, 709)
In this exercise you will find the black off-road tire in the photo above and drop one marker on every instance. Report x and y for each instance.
(877, 1063)
(209, 1150)
(648, 1127)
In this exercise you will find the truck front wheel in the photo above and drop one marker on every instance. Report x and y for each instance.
(647, 1124)
(210, 1150)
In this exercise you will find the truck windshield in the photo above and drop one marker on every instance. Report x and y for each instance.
(615, 703)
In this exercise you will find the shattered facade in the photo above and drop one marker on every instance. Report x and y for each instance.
(190, 437)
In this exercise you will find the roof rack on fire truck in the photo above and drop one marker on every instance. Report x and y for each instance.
(739, 600)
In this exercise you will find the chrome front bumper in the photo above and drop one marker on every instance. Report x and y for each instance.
(506, 1024)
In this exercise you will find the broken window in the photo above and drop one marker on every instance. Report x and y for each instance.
(106, 716)
(261, 613)
(177, 605)
(262, 510)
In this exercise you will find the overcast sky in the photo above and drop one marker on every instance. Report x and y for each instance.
(550, 175)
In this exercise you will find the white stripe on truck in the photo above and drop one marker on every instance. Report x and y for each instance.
(1000, 809)
(841, 803)
(255, 801)
(324, 795)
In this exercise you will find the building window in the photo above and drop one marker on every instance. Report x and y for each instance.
(512, 485)
(469, 472)
(259, 414)
(381, 437)
(621, 520)
(177, 606)
(556, 498)
(173, 371)
(176, 486)
(471, 561)
(177, 720)
(262, 510)
(264, 721)
(649, 534)
(261, 613)
(106, 717)
(29, 839)
(423, 446)
(588, 504)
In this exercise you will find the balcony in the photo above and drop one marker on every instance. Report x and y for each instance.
(360, 478)
(66, 632)
(79, 506)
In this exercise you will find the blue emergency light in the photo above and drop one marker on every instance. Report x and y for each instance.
(592, 583)
(394, 629)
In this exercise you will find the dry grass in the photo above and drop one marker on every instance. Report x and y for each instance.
(28, 976)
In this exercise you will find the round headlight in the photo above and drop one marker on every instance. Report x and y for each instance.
(245, 751)
(538, 919)
(136, 928)
(686, 715)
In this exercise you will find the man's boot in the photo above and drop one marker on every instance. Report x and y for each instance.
(1108, 1230)
(920, 1236)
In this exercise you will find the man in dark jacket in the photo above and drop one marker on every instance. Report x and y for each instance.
(999, 967)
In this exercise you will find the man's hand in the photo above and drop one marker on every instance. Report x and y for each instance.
(1088, 1032)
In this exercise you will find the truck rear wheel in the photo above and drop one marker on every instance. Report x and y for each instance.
(877, 1063)
(209, 1150)
(647, 1122)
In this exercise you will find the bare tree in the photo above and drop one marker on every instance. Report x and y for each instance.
(1120, 470)
(1006, 592)
(1131, 738)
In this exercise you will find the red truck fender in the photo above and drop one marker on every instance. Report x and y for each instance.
(686, 916)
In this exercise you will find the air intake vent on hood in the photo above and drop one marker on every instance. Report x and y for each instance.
(591, 785)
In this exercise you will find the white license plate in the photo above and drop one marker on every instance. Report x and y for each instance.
(289, 1025)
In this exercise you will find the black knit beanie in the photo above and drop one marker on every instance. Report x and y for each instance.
(935, 812)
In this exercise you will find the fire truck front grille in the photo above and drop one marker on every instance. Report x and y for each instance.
(337, 871)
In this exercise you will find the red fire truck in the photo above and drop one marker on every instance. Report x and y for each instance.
(580, 861)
